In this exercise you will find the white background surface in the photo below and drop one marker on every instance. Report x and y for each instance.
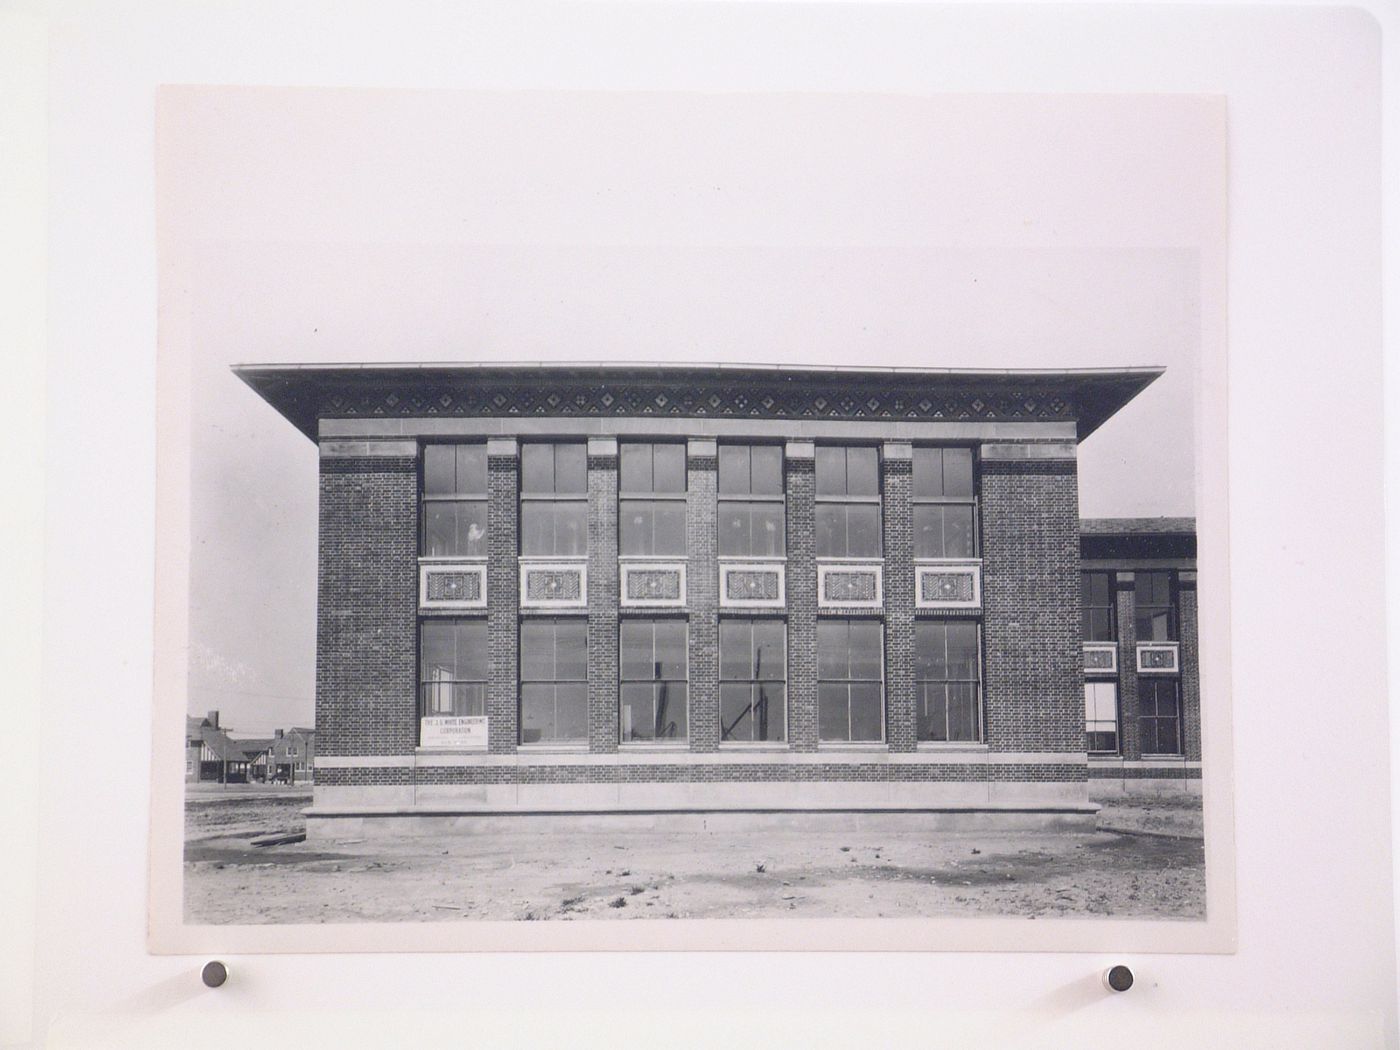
(1316, 965)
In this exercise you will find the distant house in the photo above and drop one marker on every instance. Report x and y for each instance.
(213, 756)
(292, 755)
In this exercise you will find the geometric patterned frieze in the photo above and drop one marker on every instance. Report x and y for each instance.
(752, 585)
(781, 398)
(948, 585)
(1158, 658)
(850, 586)
(1100, 657)
(452, 585)
(553, 584)
(653, 585)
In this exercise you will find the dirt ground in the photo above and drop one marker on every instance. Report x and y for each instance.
(1147, 861)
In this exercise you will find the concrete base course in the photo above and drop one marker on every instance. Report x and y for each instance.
(329, 825)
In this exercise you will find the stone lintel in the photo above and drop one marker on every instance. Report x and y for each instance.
(502, 446)
(369, 448)
(1004, 452)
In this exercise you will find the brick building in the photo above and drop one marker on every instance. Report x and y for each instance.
(1142, 677)
(671, 591)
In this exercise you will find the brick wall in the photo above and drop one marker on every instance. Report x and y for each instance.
(702, 598)
(901, 724)
(1030, 590)
(802, 602)
(1045, 772)
(503, 600)
(367, 604)
(1190, 669)
(1129, 739)
(603, 597)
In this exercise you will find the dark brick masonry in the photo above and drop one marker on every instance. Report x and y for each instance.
(367, 606)
(1030, 596)
(1048, 772)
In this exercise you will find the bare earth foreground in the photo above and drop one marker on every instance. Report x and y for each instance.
(1150, 866)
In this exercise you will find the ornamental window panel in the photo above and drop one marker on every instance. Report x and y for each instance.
(752, 522)
(554, 499)
(850, 681)
(1101, 716)
(847, 502)
(1154, 610)
(452, 512)
(1159, 715)
(948, 679)
(554, 681)
(753, 680)
(945, 503)
(452, 662)
(1097, 606)
(651, 504)
(653, 680)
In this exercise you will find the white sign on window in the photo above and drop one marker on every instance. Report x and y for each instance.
(453, 731)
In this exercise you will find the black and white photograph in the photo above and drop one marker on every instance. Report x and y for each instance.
(694, 523)
(626, 578)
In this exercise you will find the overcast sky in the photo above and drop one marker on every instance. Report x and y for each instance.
(992, 232)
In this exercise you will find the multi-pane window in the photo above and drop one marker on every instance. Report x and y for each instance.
(945, 503)
(554, 681)
(1159, 715)
(1153, 615)
(1101, 715)
(454, 502)
(554, 499)
(653, 686)
(751, 518)
(651, 505)
(850, 686)
(848, 502)
(753, 680)
(451, 668)
(947, 674)
(1096, 606)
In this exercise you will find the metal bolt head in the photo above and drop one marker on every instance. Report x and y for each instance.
(1118, 978)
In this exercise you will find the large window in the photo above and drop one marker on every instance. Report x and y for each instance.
(848, 502)
(753, 680)
(1096, 606)
(1159, 715)
(452, 665)
(947, 675)
(1101, 715)
(554, 681)
(454, 502)
(1153, 615)
(653, 680)
(850, 692)
(945, 503)
(554, 499)
(751, 518)
(651, 508)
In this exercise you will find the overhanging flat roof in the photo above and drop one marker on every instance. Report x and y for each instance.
(307, 393)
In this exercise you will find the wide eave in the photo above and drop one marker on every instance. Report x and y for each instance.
(307, 393)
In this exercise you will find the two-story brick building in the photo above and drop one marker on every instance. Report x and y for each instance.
(680, 592)
(1142, 678)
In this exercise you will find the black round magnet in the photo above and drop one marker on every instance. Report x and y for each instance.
(1118, 978)
(214, 973)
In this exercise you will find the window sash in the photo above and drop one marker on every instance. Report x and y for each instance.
(1159, 716)
(637, 462)
(850, 681)
(956, 540)
(753, 691)
(743, 531)
(638, 532)
(1101, 716)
